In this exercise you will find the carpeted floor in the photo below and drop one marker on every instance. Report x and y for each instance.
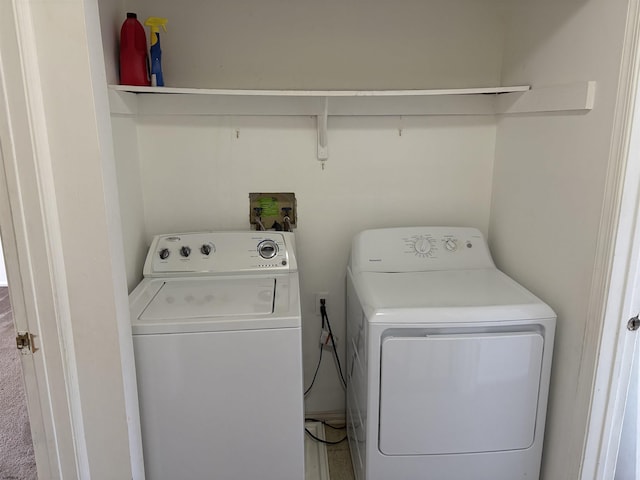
(16, 448)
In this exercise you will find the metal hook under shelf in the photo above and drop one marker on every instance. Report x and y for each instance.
(323, 143)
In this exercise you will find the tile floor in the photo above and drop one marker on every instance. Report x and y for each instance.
(339, 456)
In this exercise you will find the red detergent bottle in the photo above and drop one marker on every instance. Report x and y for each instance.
(134, 63)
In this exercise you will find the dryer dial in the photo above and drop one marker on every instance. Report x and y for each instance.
(451, 244)
(422, 246)
(185, 251)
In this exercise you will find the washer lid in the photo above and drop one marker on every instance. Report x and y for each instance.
(212, 304)
(187, 299)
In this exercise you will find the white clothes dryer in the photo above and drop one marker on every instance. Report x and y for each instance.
(217, 342)
(448, 360)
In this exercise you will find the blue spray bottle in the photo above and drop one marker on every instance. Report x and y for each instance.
(155, 54)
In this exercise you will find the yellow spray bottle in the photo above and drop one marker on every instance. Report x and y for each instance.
(155, 54)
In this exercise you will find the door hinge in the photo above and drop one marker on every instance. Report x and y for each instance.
(633, 324)
(24, 342)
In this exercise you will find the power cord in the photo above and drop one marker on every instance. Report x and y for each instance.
(327, 442)
(315, 374)
(325, 322)
(325, 319)
(326, 424)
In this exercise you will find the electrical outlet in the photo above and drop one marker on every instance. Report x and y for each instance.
(320, 295)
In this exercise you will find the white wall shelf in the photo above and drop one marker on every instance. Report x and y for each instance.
(193, 101)
(579, 96)
(130, 100)
(143, 101)
(321, 93)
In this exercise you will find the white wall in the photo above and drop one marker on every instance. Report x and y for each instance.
(329, 44)
(130, 196)
(197, 173)
(548, 189)
(125, 144)
(112, 14)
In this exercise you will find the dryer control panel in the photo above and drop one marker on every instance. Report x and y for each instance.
(211, 253)
(415, 249)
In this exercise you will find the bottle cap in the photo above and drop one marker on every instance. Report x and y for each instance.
(131, 15)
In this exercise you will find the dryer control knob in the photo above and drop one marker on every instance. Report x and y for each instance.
(164, 253)
(451, 244)
(185, 251)
(267, 249)
(422, 246)
(205, 249)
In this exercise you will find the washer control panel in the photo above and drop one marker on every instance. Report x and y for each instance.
(411, 249)
(208, 253)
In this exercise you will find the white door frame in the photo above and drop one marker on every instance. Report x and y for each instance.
(25, 232)
(617, 279)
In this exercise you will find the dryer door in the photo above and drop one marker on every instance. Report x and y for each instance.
(465, 393)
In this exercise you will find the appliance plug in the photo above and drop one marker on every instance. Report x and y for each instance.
(325, 339)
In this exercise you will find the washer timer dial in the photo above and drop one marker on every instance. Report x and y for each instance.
(268, 249)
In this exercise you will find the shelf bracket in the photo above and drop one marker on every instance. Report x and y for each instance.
(323, 144)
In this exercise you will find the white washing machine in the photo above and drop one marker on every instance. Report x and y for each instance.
(448, 360)
(217, 342)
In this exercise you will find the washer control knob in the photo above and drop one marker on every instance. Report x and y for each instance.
(267, 249)
(206, 249)
(185, 251)
(422, 246)
(451, 244)
(164, 253)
